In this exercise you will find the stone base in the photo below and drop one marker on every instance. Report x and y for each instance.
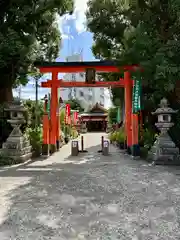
(135, 150)
(57, 145)
(45, 150)
(22, 158)
(26, 157)
(128, 150)
(17, 148)
(164, 152)
(167, 160)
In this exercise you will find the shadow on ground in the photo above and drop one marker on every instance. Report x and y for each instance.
(93, 197)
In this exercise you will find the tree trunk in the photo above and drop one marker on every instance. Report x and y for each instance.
(6, 94)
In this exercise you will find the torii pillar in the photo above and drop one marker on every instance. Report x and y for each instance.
(54, 124)
(128, 107)
(131, 120)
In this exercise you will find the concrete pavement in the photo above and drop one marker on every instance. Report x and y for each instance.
(89, 197)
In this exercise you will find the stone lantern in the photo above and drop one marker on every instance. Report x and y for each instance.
(17, 146)
(164, 150)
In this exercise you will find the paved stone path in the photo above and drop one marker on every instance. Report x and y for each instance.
(89, 197)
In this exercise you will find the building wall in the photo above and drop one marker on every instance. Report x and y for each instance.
(86, 96)
(107, 98)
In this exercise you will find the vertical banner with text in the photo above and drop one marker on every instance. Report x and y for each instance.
(136, 99)
(67, 113)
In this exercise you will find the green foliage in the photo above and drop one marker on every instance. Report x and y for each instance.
(34, 113)
(74, 133)
(112, 113)
(112, 136)
(143, 152)
(33, 127)
(35, 138)
(7, 161)
(5, 127)
(75, 105)
(28, 32)
(139, 32)
(149, 137)
(175, 130)
(118, 136)
(62, 117)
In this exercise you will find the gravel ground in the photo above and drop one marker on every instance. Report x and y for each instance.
(89, 197)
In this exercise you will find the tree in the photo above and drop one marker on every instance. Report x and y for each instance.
(28, 32)
(75, 105)
(140, 32)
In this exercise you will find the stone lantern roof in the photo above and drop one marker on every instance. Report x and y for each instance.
(16, 106)
(164, 109)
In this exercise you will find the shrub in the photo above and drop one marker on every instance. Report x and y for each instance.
(112, 115)
(62, 116)
(74, 132)
(34, 113)
(35, 138)
(143, 152)
(120, 136)
(7, 161)
(112, 136)
(148, 138)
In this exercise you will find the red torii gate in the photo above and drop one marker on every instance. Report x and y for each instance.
(131, 120)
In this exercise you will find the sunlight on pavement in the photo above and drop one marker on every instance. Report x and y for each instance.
(8, 186)
(90, 196)
(39, 169)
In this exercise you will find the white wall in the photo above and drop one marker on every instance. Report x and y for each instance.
(107, 98)
(84, 95)
(88, 97)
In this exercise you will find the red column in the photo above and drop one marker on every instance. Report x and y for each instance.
(135, 130)
(58, 120)
(128, 107)
(53, 118)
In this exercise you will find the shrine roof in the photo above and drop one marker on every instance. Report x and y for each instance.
(93, 115)
(98, 108)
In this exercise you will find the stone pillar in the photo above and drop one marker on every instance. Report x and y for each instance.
(164, 151)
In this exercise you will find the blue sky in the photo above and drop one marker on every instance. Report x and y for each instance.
(75, 38)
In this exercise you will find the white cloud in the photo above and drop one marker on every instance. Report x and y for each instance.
(80, 10)
(78, 16)
(66, 36)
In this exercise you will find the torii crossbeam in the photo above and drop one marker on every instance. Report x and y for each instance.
(131, 120)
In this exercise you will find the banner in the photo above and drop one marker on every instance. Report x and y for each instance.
(118, 117)
(67, 113)
(69, 120)
(136, 99)
(75, 117)
(68, 110)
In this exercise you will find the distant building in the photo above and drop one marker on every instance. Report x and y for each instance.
(87, 97)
